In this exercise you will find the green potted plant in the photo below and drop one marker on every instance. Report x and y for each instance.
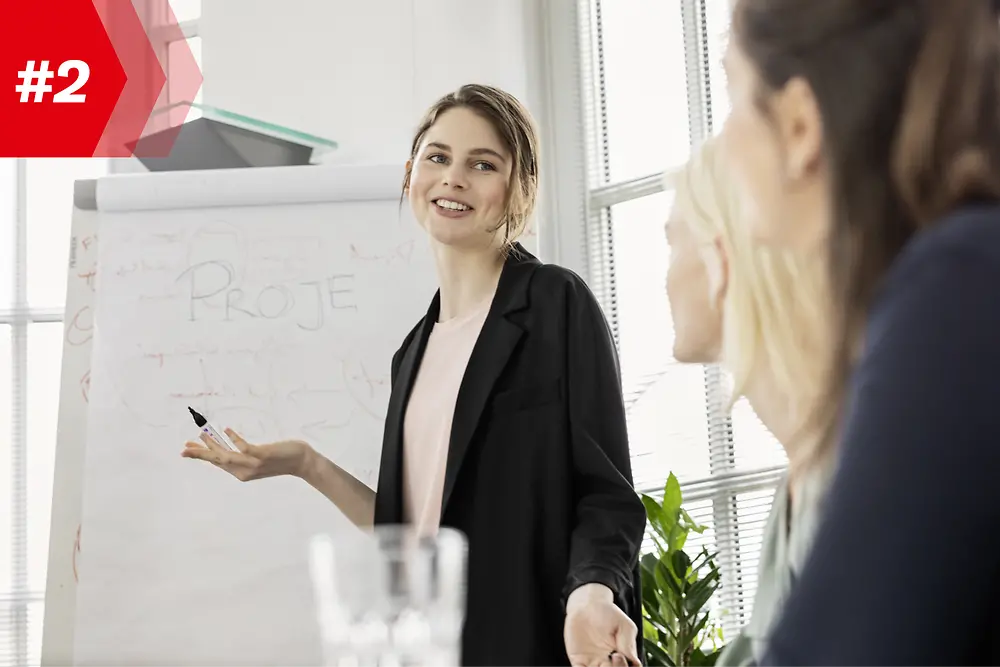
(676, 589)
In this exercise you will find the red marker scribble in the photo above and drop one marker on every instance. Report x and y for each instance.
(88, 278)
(200, 394)
(85, 387)
(88, 240)
(79, 332)
(155, 355)
(76, 550)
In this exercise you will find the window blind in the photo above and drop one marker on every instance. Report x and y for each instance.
(652, 89)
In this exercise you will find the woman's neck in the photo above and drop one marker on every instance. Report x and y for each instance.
(466, 276)
(777, 412)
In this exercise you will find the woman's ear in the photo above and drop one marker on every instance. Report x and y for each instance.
(409, 170)
(801, 127)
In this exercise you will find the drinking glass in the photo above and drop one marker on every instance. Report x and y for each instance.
(391, 597)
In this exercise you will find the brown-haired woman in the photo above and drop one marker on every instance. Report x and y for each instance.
(871, 129)
(506, 419)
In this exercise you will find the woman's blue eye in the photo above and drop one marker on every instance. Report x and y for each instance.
(482, 165)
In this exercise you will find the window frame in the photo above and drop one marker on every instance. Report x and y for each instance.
(588, 247)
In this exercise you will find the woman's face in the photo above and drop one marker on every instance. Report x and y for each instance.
(774, 151)
(696, 285)
(459, 180)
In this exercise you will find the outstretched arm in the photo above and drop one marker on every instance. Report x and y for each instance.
(350, 495)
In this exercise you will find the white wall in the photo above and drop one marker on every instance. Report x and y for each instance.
(359, 72)
(362, 72)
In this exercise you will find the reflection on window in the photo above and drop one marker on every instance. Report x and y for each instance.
(50, 211)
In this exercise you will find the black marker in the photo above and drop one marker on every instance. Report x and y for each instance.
(214, 433)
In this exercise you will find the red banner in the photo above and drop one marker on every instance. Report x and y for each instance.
(90, 78)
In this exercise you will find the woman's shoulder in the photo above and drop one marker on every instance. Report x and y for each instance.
(557, 275)
(956, 259)
(556, 281)
(970, 235)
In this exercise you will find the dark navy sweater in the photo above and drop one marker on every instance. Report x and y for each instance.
(905, 567)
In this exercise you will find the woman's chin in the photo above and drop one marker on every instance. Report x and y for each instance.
(463, 234)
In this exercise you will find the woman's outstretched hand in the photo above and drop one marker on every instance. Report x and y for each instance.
(286, 457)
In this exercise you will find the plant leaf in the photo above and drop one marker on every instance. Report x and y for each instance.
(649, 630)
(655, 655)
(700, 593)
(681, 564)
(662, 522)
(701, 659)
(666, 579)
(697, 627)
(691, 523)
(672, 498)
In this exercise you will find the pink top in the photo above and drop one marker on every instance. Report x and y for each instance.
(427, 424)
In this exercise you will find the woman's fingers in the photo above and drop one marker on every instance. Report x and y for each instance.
(201, 453)
(211, 443)
(238, 440)
(238, 465)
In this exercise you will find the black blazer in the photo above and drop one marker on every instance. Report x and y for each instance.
(538, 474)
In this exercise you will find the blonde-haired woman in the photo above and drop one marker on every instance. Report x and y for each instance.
(760, 313)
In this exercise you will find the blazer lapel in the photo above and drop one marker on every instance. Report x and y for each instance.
(389, 499)
(490, 354)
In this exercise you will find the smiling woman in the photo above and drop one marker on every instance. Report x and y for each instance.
(458, 191)
(506, 419)
(494, 154)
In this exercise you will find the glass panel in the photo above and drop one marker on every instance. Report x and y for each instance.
(667, 411)
(8, 223)
(6, 482)
(44, 364)
(50, 212)
(646, 84)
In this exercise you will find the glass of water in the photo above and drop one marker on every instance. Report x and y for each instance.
(390, 597)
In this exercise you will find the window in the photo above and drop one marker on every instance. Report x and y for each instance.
(36, 199)
(652, 87)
